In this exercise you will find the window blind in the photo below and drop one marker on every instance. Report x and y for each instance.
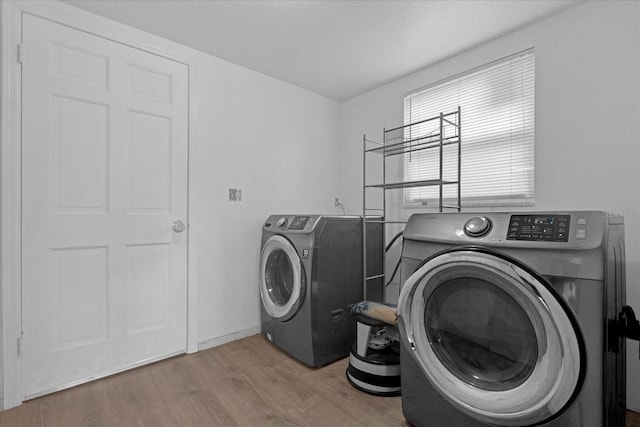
(497, 133)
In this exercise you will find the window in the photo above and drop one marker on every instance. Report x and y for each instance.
(497, 133)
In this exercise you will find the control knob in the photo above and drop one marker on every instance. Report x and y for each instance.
(477, 226)
(282, 222)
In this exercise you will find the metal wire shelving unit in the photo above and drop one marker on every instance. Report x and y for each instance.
(435, 133)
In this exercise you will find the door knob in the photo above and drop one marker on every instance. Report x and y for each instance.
(178, 226)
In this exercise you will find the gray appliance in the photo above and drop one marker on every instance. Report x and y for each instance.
(311, 271)
(513, 319)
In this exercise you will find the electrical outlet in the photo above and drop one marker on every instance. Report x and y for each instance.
(235, 195)
(338, 204)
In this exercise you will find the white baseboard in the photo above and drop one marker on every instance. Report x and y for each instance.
(214, 342)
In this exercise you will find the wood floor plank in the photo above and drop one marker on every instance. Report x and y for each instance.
(632, 419)
(249, 382)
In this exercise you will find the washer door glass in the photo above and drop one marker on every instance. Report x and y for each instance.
(481, 333)
(492, 337)
(282, 280)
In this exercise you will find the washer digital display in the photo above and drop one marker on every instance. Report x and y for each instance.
(539, 228)
(299, 222)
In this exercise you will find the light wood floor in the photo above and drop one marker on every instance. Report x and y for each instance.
(244, 383)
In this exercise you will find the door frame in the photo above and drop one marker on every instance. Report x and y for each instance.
(11, 11)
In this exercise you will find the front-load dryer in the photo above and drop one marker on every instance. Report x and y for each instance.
(311, 271)
(508, 319)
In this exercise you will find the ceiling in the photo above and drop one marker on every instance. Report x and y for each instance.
(339, 49)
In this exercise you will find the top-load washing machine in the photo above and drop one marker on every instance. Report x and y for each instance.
(513, 319)
(311, 271)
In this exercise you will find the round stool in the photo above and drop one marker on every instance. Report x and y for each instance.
(374, 366)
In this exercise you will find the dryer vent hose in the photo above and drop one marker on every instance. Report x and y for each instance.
(395, 269)
(628, 325)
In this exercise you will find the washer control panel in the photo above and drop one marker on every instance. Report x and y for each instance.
(539, 228)
(299, 222)
(287, 223)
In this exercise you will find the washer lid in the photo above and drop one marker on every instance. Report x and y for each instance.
(282, 280)
(493, 337)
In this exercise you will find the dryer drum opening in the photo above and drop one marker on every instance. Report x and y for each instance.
(496, 347)
(282, 284)
(462, 308)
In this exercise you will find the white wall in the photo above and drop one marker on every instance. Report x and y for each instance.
(278, 144)
(587, 121)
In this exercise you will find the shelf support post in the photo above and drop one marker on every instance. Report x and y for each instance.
(364, 217)
(459, 160)
(441, 158)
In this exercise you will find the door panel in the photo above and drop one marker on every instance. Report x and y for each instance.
(79, 274)
(104, 176)
(149, 151)
(79, 156)
(148, 287)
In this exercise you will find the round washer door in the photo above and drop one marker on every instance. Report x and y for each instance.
(492, 337)
(282, 281)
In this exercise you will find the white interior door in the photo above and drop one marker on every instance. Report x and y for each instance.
(105, 131)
